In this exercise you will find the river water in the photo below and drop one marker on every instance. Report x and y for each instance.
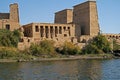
(62, 70)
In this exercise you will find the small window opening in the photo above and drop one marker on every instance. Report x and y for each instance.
(8, 27)
(36, 28)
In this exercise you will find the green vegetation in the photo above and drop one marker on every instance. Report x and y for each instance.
(9, 38)
(98, 45)
(46, 49)
(13, 53)
(8, 44)
(116, 46)
(6, 52)
(68, 49)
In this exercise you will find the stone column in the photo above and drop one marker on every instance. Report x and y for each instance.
(40, 31)
(58, 30)
(61, 30)
(43, 32)
(53, 33)
(48, 32)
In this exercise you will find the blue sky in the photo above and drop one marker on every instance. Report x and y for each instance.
(43, 11)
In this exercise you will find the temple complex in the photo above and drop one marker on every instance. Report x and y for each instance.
(78, 25)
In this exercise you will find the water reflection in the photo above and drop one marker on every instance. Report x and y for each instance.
(89, 70)
(10, 71)
(54, 70)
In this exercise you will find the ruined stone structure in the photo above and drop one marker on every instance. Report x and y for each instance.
(64, 16)
(10, 20)
(77, 25)
(112, 37)
(36, 32)
(49, 31)
(84, 16)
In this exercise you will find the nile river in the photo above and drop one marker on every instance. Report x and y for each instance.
(62, 70)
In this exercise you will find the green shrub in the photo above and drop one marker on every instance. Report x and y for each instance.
(116, 46)
(98, 45)
(91, 49)
(6, 52)
(9, 38)
(13, 53)
(45, 47)
(48, 46)
(36, 50)
(102, 43)
(68, 49)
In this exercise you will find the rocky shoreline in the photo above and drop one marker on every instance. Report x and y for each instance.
(59, 59)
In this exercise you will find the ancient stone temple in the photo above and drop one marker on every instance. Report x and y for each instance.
(85, 17)
(77, 25)
(49, 31)
(10, 20)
